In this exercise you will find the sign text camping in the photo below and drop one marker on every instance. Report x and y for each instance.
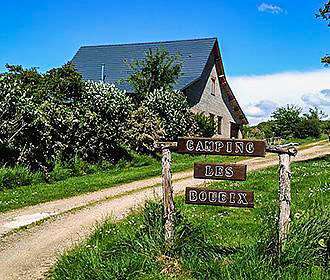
(217, 197)
(214, 146)
(218, 171)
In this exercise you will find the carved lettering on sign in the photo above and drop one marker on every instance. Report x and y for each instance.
(218, 171)
(213, 146)
(231, 198)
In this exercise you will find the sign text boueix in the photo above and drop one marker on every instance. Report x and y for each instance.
(216, 197)
(214, 146)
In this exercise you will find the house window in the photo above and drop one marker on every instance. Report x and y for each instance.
(213, 85)
(219, 128)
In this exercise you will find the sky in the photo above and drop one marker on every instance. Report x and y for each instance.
(271, 49)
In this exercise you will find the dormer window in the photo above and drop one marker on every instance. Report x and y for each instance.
(213, 85)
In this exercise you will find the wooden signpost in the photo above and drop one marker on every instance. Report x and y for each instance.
(232, 198)
(218, 171)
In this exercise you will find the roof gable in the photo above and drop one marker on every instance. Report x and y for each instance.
(194, 55)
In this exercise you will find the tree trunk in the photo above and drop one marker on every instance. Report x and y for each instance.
(284, 198)
(169, 209)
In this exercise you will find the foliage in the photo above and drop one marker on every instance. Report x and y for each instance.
(57, 115)
(253, 132)
(19, 176)
(173, 111)
(206, 126)
(285, 120)
(266, 128)
(103, 117)
(325, 126)
(310, 124)
(324, 12)
(144, 129)
(158, 70)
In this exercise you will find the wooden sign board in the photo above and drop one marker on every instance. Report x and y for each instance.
(218, 171)
(229, 147)
(235, 198)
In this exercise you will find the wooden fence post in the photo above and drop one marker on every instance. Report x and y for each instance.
(169, 208)
(284, 198)
(285, 152)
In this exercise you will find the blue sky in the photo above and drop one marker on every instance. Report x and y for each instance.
(257, 38)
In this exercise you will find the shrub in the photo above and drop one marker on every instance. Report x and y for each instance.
(104, 111)
(18, 176)
(58, 116)
(205, 125)
(286, 120)
(144, 128)
(308, 128)
(173, 110)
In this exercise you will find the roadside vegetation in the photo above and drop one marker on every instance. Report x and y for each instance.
(215, 242)
(65, 182)
(290, 124)
(54, 127)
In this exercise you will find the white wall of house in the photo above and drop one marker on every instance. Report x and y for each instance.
(212, 101)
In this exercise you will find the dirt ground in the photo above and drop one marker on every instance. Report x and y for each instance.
(29, 253)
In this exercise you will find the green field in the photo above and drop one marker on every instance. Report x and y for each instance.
(217, 242)
(139, 168)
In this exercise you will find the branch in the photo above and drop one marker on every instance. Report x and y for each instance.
(292, 151)
(166, 145)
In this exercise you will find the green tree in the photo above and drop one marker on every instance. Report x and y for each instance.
(324, 12)
(310, 124)
(286, 121)
(158, 70)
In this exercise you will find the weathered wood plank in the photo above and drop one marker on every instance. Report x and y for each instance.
(169, 208)
(284, 198)
(216, 197)
(219, 146)
(219, 171)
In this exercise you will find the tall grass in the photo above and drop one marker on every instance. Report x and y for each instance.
(214, 242)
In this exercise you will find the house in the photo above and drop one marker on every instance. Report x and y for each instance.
(203, 81)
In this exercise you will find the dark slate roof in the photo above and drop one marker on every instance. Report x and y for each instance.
(194, 55)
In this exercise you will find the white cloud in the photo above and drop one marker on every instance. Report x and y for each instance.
(269, 8)
(258, 111)
(305, 89)
(316, 100)
(326, 92)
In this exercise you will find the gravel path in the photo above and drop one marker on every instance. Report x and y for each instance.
(28, 254)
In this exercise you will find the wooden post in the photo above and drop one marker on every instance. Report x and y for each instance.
(169, 208)
(284, 198)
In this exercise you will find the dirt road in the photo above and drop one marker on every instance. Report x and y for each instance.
(29, 253)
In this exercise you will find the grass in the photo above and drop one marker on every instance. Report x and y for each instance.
(217, 242)
(140, 168)
(307, 140)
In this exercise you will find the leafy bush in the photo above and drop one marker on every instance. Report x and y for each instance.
(58, 116)
(205, 125)
(18, 176)
(173, 110)
(286, 121)
(308, 128)
(103, 118)
(144, 128)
